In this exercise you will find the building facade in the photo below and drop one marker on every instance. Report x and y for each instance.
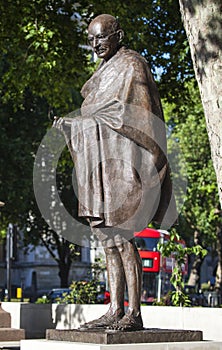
(34, 269)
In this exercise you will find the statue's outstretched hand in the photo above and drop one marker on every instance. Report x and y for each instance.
(58, 123)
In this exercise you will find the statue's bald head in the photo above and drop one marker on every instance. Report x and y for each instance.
(108, 22)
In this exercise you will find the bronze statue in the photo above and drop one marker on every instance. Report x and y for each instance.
(118, 145)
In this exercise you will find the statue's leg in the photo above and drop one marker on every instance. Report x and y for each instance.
(116, 280)
(133, 270)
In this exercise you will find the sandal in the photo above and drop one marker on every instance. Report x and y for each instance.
(128, 323)
(104, 321)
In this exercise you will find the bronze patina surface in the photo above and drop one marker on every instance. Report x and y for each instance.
(118, 337)
(118, 144)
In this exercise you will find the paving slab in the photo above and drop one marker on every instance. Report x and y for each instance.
(9, 344)
(151, 335)
(58, 345)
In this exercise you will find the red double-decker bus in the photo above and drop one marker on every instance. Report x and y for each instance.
(157, 270)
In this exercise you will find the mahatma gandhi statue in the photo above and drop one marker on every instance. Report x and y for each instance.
(118, 145)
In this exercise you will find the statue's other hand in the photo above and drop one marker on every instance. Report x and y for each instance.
(58, 123)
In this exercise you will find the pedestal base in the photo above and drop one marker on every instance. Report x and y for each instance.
(6, 332)
(120, 337)
(11, 334)
(5, 318)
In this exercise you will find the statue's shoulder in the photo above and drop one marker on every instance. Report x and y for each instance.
(131, 58)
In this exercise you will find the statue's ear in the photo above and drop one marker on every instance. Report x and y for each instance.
(120, 33)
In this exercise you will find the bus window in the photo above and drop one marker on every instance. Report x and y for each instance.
(149, 288)
(147, 243)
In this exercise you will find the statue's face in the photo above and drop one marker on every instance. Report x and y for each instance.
(103, 39)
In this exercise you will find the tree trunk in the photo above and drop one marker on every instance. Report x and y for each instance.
(64, 274)
(194, 278)
(218, 283)
(202, 22)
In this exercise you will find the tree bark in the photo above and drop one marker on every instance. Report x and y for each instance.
(194, 278)
(202, 21)
(218, 283)
(64, 269)
(62, 255)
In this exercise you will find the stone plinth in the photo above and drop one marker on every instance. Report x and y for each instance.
(11, 334)
(6, 332)
(5, 318)
(119, 337)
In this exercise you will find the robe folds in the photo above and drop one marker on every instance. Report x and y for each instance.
(118, 145)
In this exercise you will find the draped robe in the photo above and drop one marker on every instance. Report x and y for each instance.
(118, 145)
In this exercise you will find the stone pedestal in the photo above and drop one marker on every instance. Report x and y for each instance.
(119, 337)
(5, 318)
(6, 332)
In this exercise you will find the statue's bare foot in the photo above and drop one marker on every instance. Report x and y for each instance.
(104, 321)
(128, 323)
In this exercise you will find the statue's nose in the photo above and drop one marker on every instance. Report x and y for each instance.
(95, 43)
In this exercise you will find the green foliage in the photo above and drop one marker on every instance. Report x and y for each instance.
(83, 292)
(172, 248)
(189, 135)
(86, 292)
(44, 46)
(164, 300)
(43, 300)
(205, 286)
(41, 51)
(21, 132)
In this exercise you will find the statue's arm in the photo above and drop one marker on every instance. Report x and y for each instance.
(64, 125)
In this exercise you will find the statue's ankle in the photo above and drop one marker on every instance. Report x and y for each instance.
(133, 312)
(118, 311)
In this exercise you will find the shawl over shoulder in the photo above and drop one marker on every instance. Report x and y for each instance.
(119, 147)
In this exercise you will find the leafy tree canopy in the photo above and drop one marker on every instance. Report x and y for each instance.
(200, 209)
(44, 46)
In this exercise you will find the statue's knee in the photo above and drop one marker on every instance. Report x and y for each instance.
(111, 250)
